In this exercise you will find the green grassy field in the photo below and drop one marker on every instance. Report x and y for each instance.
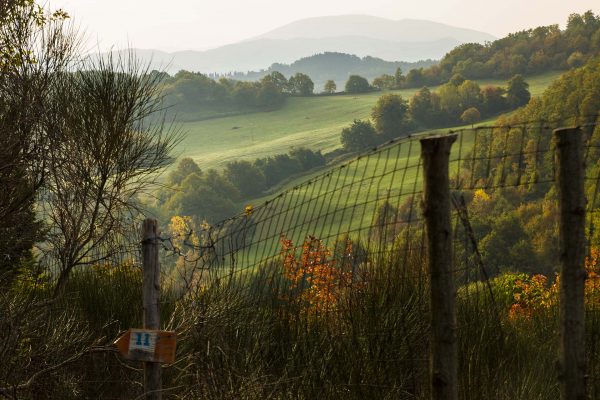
(313, 122)
(342, 200)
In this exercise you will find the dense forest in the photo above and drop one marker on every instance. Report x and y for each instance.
(516, 226)
(526, 52)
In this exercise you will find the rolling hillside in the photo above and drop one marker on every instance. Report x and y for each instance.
(313, 122)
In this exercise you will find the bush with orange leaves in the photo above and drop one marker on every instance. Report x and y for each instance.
(532, 294)
(592, 282)
(315, 276)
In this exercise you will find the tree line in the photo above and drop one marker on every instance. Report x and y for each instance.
(335, 66)
(526, 52)
(459, 100)
(213, 196)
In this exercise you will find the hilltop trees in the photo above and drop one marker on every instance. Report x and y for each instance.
(330, 87)
(459, 94)
(458, 100)
(278, 80)
(191, 91)
(575, 94)
(357, 84)
(269, 95)
(301, 84)
(526, 52)
(384, 82)
(335, 66)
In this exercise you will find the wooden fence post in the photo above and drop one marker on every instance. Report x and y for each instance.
(571, 173)
(151, 276)
(435, 153)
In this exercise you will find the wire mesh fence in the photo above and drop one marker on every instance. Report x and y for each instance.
(323, 291)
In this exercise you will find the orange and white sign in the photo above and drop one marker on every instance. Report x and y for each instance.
(148, 345)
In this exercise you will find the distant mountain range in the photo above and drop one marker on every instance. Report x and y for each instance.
(403, 40)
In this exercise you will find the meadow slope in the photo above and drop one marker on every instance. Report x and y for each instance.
(312, 122)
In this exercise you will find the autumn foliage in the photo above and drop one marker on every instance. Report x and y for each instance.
(532, 295)
(316, 278)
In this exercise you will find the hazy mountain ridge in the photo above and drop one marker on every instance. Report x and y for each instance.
(402, 30)
(403, 40)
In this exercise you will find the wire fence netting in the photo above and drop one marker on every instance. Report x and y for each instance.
(323, 290)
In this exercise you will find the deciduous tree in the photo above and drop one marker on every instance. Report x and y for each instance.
(470, 116)
(517, 93)
(390, 116)
(357, 84)
(330, 87)
(106, 151)
(424, 108)
(384, 82)
(246, 177)
(301, 84)
(359, 136)
(36, 47)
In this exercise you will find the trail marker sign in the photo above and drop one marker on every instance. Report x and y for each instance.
(148, 345)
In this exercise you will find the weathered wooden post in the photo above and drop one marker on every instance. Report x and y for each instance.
(571, 173)
(151, 276)
(435, 153)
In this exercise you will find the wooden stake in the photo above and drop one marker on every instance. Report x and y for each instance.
(435, 153)
(571, 173)
(152, 370)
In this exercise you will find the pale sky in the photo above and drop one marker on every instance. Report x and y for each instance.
(174, 25)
